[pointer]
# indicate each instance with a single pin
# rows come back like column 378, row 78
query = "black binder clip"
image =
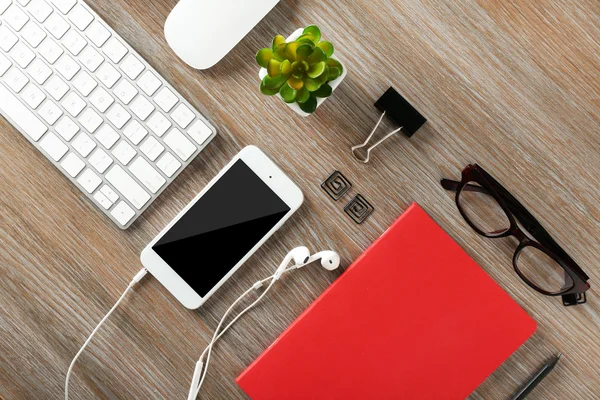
column 400, row 111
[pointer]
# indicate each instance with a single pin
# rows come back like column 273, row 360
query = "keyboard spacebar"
column 125, row 184
column 12, row 108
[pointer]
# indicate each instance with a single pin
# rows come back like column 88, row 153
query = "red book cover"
column 414, row 317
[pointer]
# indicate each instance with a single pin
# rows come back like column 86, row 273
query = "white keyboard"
column 93, row 106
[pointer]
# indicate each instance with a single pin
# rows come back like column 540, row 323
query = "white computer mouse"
column 202, row 32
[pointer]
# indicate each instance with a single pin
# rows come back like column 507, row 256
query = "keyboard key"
column 89, row 180
column 142, row 108
column 22, row 55
column 84, row 83
column 12, row 107
column 183, row 116
column 100, row 160
column 179, row 144
column 33, row 34
column 90, row 120
column 135, row 132
column 23, row 2
column 114, row 50
column 64, row 6
column 16, row 79
column 199, row 132
column 90, row 58
column 66, row 128
column 73, row 104
column 146, row 174
column 33, row 96
column 39, row 71
column 56, row 87
column 50, row 50
column 149, row 83
column 7, row 38
column 81, row 17
column 67, row 67
column 4, row 4
column 83, row 144
column 124, row 152
column 52, row 145
column 108, row 75
column 132, row 66
column 103, row 200
column 39, row 9
column 101, row 99
column 118, row 116
column 122, row 213
column 15, row 17
column 159, row 124
column 109, row 193
column 50, row 112
column 57, row 26
column 97, row 33
column 74, row 42
column 107, row 136
column 166, row 99
column 4, row 64
column 125, row 91
column 72, row 164
column 152, row 148
column 168, row 164
column 127, row 186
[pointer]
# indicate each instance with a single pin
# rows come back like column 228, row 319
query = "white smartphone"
column 222, row 227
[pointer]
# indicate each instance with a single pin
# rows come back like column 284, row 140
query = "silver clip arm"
column 360, row 146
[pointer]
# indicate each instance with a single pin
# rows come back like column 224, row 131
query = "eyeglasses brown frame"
column 537, row 236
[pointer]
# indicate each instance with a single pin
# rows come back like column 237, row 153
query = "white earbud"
column 330, row 260
column 300, row 255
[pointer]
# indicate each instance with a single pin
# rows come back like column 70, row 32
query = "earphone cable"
column 138, row 277
column 231, row 323
column 216, row 336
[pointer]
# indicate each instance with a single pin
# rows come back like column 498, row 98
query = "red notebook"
column 414, row 317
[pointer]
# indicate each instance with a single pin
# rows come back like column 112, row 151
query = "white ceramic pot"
column 334, row 84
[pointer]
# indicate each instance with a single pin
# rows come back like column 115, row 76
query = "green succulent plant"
column 300, row 71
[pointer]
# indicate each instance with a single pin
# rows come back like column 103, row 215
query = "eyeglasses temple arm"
column 451, row 185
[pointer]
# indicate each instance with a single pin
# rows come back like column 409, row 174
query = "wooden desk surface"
column 512, row 85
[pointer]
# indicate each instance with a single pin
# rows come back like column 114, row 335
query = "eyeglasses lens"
column 483, row 211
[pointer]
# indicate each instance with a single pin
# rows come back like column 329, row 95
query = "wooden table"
column 512, row 85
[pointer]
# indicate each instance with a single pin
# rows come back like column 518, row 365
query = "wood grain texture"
column 512, row 85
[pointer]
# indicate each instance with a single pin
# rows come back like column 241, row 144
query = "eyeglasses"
column 494, row 213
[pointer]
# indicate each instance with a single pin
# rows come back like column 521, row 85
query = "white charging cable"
column 138, row 277
column 330, row 260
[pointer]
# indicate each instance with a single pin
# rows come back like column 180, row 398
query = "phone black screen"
column 221, row 228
